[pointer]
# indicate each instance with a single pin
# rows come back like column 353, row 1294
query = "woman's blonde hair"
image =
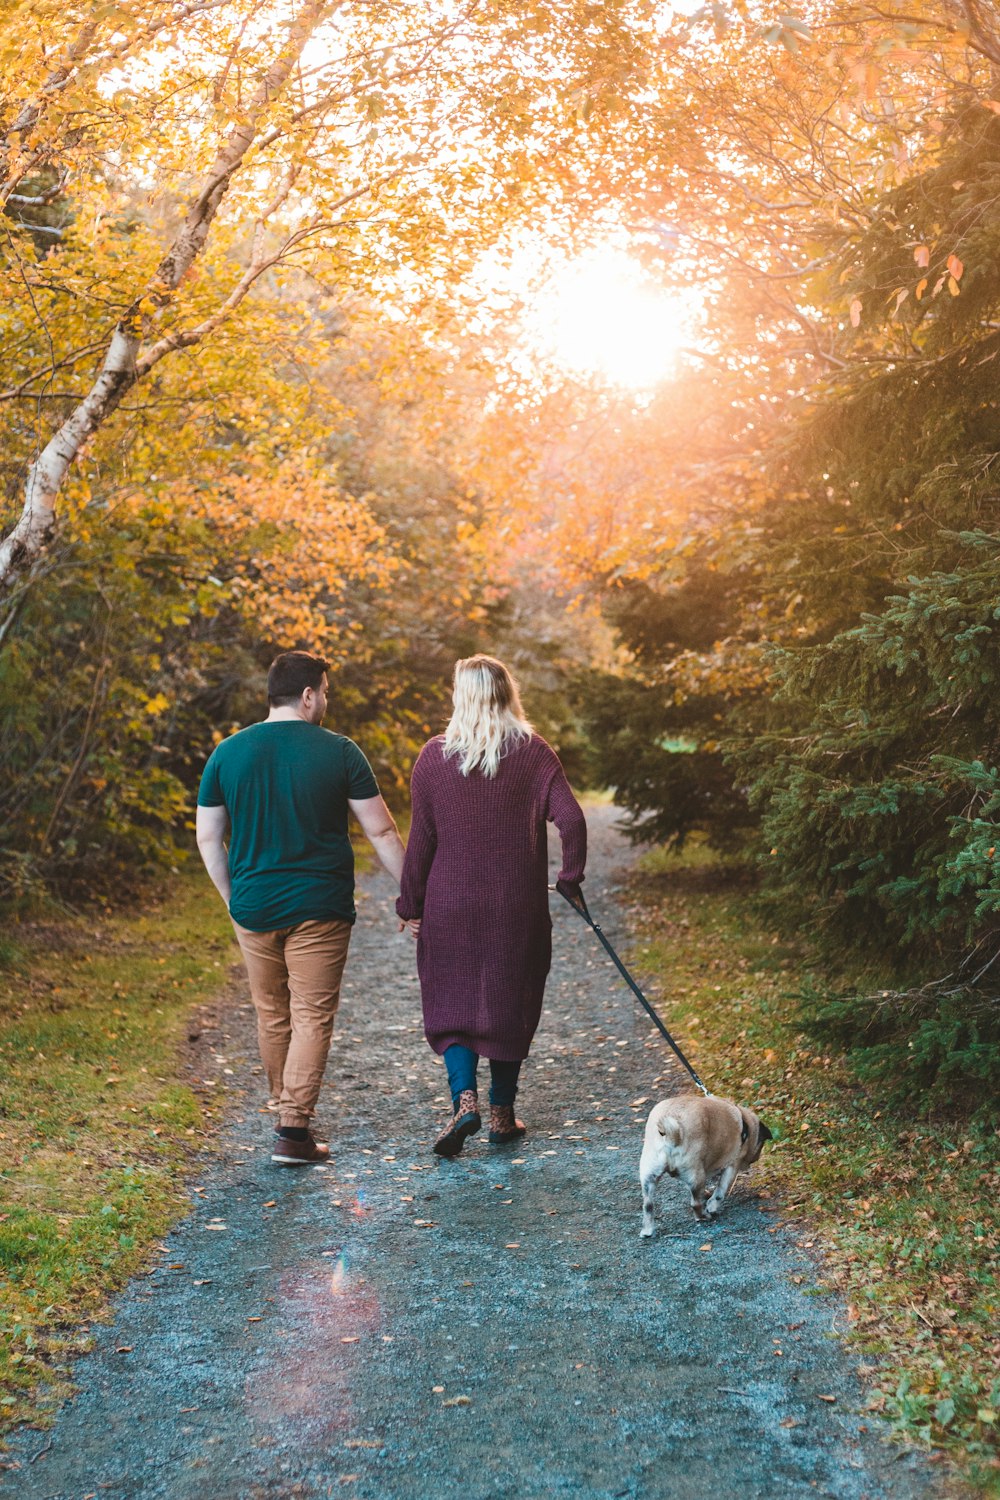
column 488, row 718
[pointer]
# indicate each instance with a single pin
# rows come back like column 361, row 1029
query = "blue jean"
column 462, row 1064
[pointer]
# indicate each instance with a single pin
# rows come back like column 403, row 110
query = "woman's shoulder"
column 432, row 753
column 534, row 755
column 542, row 750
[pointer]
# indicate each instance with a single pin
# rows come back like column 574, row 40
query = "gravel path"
column 394, row 1327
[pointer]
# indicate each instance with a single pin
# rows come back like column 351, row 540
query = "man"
column 279, row 792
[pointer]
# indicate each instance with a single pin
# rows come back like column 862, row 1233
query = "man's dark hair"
column 290, row 674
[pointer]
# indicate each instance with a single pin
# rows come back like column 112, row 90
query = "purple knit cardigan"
column 476, row 874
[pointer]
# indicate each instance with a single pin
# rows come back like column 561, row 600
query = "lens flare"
column 603, row 316
column 338, row 1276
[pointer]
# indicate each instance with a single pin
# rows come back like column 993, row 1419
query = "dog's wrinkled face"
column 757, row 1136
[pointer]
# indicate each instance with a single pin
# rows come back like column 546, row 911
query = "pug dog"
column 706, row 1142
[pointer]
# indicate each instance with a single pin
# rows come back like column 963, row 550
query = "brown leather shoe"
column 504, row 1128
column 467, row 1120
column 305, row 1153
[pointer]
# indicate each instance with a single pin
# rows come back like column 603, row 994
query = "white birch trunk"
column 19, row 549
column 123, row 364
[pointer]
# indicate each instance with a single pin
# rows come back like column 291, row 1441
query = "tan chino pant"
column 295, row 976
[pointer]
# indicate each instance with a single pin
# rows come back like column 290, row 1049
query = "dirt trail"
column 394, row 1327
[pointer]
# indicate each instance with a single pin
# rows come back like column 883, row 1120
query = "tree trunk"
column 122, row 367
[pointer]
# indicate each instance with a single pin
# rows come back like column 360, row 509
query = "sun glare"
column 603, row 316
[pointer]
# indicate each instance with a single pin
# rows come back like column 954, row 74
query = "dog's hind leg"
column 648, row 1184
column 697, row 1186
column 721, row 1192
column 651, row 1169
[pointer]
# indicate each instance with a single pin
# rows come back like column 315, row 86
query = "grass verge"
column 905, row 1209
column 96, row 1121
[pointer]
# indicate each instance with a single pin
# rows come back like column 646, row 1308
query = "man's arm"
column 379, row 828
column 211, row 827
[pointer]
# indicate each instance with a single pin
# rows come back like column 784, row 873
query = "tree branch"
column 122, row 366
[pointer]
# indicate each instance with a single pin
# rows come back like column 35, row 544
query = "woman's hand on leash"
column 570, row 889
column 412, row 927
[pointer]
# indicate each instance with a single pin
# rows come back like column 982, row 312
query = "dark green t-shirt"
column 285, row 786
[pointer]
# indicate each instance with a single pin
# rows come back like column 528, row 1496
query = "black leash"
column 584, row 912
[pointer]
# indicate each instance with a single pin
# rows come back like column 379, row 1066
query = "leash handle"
column 582, row 908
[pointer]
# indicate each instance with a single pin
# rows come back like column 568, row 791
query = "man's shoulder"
column 233, row 743
column 343, row 742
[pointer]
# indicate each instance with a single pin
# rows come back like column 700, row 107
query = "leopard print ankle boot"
column 504, row 1128
column 465, row 1122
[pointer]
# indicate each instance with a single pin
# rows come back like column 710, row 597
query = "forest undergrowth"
column 900, row 1207
column 98, row 1119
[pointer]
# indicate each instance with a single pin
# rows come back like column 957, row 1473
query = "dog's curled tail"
column 670, row 1129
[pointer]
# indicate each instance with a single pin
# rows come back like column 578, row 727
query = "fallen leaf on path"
column 705, row 1247
column 437, row 1389
column 206, row 1282
column 788, row 1422
column 220, row 1227
column 363, row 1443
column 519, row 1161
column 349, row 1478
column 255, row 1319
column 123, row 1349
column 353, row 1338
column 825, row 1398
column 425, row 1223
column 271, row 1203
column 178, row 1265
column 458, row 1401
column 514, row 1246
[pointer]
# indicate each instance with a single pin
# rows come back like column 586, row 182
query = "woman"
column 474, row 890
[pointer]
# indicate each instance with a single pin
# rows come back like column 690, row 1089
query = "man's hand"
column 379, row 828
column 211, row 828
